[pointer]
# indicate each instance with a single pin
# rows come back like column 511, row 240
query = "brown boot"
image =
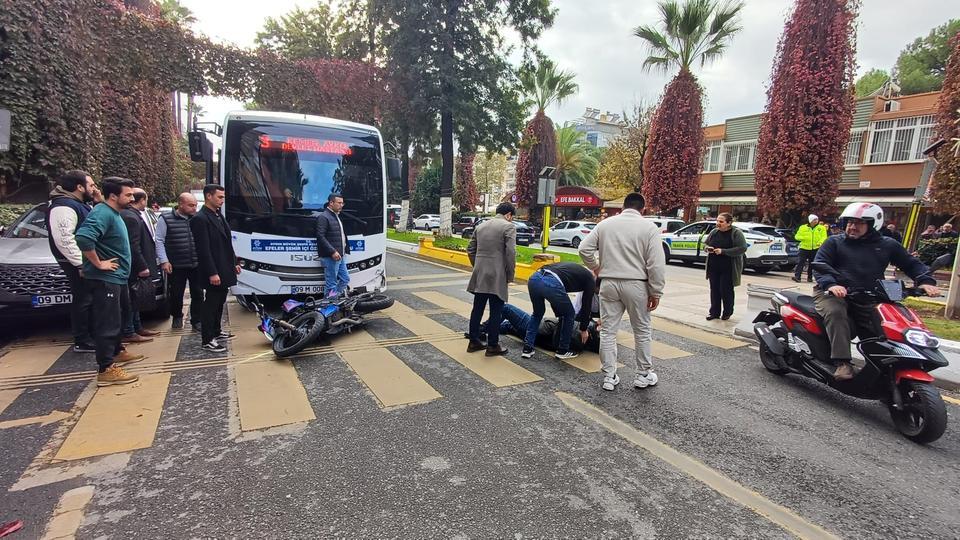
column 844, row 372
column 147, row 333
column 115, row 375
column 126, row 358
column 136, row 338
column 496, row 350
column 475, row 346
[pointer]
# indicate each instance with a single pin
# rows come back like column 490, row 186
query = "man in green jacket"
column 103, row 240
column 811, row 236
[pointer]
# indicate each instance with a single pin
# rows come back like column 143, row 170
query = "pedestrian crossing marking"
column 270, row 394
column 388, row 378
column 118, row 419
column 160, row 351
column 496, row 370
column 23, row 362
column 696, row 334
column 7, row 397
column 427, row 277
column 658, row 349
column 240, row 318
column 447, row 283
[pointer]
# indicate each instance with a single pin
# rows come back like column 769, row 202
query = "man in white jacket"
column 68, row 207
column 625, row 252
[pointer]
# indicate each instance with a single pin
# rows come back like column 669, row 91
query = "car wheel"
column 666, row 253
column 575, row 242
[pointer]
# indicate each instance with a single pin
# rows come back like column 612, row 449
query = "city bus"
column 277, row 170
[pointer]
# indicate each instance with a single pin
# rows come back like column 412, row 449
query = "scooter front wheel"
column 923, row 418
column 307, row 327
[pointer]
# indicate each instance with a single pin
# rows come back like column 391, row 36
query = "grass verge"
column 524, row 254
column 932, row 315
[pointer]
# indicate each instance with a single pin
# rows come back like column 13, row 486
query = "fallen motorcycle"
column 301, row 322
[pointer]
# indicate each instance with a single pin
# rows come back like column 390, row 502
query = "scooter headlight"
column 921, row 338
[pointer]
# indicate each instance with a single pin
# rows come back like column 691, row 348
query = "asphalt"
column 487, row 462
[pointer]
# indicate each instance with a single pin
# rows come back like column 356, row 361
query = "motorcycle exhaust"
column 346, row 321
column 766, row 336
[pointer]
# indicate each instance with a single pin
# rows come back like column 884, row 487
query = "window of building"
column 854, row 148
column 711, row 156
column 739, row 157
column 902, row 139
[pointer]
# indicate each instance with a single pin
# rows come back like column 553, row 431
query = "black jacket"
column 577, row 278
column 211, row 234
column 329, row 237
column 143, row 249
column 863, row 261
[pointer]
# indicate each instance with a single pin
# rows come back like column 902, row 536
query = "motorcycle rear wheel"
column 769, row 360
column 923, row 418
column 290, row 342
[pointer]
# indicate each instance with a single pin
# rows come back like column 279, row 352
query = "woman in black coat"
column 725, row 246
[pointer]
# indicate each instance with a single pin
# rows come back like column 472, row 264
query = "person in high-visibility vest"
column 811, row 236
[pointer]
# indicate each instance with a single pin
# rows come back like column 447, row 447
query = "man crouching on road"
column 625, row 252
column 105, row 245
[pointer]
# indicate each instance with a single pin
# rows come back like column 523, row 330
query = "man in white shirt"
column 625, row 252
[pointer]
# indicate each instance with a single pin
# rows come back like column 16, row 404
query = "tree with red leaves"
column 806, row 128
column 465, row 195
column 945, row 190
column 697, row 31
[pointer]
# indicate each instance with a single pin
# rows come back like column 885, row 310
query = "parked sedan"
column 525, row 234
column 463, row 223
column 31, row 281
column 427, row 221
column 570, row 233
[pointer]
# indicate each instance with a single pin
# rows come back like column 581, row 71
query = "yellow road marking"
column 779, row 515
column 54, row 416
column 424, row 261
column 497, row 370
column 657, row 348
column 696, row 334
column 29, row 361
column 951, row 400
column 422, row 277
column 68, row 515
column 270, row 394
column 388, row 378
column 7, row 397
column 118, row 419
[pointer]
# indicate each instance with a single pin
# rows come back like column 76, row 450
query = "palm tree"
column 577, row 160
column 173, row 11
column 696, row 31
column 542, row 86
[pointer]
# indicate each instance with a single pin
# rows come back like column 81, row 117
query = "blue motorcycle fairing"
column 291, row 305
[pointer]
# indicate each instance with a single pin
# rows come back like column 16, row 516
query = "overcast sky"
column 594, row 39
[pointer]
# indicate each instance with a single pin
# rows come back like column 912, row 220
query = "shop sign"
column 577, row 200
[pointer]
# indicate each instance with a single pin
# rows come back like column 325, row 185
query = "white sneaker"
column 644, row 380
column 609, row 383
column 566, row 356
column 213, row 346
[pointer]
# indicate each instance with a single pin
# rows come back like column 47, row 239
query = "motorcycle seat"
column 802, row 302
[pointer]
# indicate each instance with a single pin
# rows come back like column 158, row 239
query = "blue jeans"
column 543, row 288
column 335, row 275
column 131, row 320
column 515, row 321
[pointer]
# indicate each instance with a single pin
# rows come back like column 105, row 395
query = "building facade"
column 883, row 163
column 600, row 128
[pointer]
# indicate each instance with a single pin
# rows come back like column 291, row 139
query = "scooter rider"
column 860, row 256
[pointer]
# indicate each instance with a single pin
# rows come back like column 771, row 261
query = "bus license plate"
column 48, row 300
column 306, row 289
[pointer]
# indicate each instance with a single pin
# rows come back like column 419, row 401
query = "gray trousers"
column 843, row 318
column 616, row 297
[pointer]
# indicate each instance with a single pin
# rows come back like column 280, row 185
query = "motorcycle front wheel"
column 374, row 302
column 923, row 418
column 290, row 342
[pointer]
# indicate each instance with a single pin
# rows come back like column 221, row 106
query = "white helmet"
column 868, row 212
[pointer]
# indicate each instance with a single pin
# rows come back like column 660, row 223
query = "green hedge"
column 929, row 250
column 10, row 212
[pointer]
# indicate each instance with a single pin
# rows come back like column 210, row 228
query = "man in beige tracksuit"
column 625, row 252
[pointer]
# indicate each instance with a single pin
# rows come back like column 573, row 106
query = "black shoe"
column 213, row 346
column 195, row 326
column 796, row 279
column 497, row 350
column 475, row 346
column 527, row 352
column 225, row 336
column 726, row 317
column 84, row 348
column 712, row 317
column 809, row 280
column 177, row 323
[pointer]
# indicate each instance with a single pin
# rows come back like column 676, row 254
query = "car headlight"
column 921, row 338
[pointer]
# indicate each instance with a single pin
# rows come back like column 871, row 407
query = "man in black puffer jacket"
column 861, row 257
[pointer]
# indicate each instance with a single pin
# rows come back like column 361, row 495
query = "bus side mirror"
column 201, row 149
column 394, row 169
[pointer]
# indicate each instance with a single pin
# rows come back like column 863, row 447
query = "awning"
column 842, row 200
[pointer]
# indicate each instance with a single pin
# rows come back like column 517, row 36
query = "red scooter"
column 897, row 347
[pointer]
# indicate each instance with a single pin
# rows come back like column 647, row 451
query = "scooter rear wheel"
column 770, row 361
column 923, row 418
column 290, row 342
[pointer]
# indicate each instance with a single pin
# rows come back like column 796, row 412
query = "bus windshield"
column 278, row 176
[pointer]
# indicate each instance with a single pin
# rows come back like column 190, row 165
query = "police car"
column 764, row 251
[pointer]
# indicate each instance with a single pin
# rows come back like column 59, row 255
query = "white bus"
column 277, row 170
